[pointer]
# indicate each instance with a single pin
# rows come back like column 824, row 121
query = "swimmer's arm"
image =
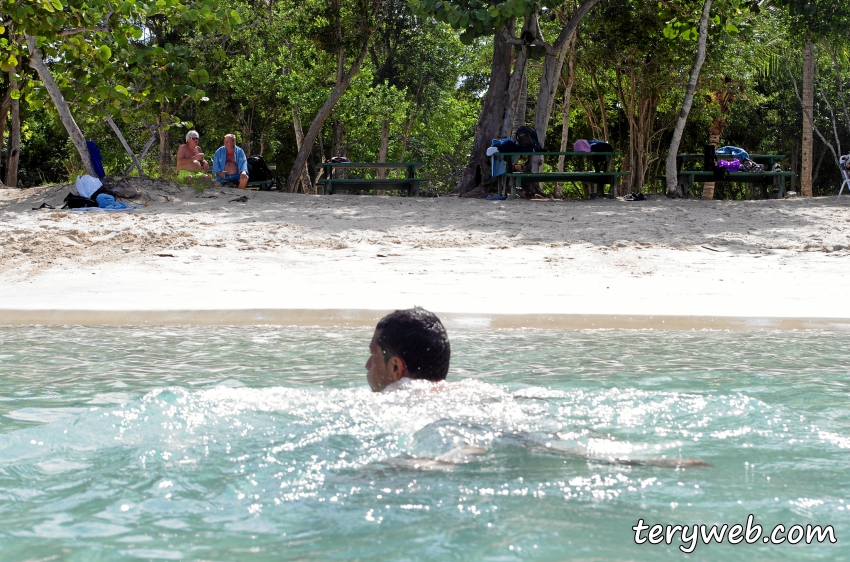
column 662, row 462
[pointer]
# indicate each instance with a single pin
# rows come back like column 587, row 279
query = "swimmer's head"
column 408, row 343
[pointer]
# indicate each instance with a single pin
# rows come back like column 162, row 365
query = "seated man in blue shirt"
column 230, row 163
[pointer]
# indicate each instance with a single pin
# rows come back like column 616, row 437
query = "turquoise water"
column 264, row 443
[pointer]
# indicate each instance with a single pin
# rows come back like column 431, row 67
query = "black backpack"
column 599, row 162
column 526, row 138
column 77, row 202
column 257, row 169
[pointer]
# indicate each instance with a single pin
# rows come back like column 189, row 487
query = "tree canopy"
column 299, row 82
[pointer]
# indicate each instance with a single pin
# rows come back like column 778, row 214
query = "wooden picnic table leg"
column 517, row 183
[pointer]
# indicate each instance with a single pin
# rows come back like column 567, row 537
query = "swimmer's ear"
column 397, row 368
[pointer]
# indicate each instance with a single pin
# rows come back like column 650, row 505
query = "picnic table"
column 597, row 179
column 766, row 179
column 409, row 183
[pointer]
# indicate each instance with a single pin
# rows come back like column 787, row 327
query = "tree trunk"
column 306, row 184
column 247, row 131
column 553, row 64
column 4, row 112
column 124, row 143
column 382, row 151
column 14, row 151
column 518, row 85
column 342, row 83
column 565, row 114
column 490, row 121
column 808, row 114
column 672, row 173
column 640, row 106
column 552, row 67
column 339, row 138
column 603, row 115
column 164, row 144
column 77, row 137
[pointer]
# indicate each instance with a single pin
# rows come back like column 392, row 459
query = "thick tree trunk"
column 518, row 85
column 14, row 152
column 306, row 184
column 77, row 137
column 124, row 143
column 671, row 171
column 808, row 114
column 489, row 122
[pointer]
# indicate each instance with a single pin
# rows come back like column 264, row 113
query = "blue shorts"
column 228, row 178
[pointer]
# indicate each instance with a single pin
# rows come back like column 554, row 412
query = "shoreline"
column 368, row 318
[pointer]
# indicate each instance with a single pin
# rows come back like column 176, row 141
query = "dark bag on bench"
column 599, row 162
column 257, row 169
column 526, row 138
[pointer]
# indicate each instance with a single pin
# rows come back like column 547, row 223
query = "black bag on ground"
column 257, row 169
column 599, row 162
column 526, row 138
column 77, row 202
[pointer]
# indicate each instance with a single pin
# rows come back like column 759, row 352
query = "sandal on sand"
column 43, row 206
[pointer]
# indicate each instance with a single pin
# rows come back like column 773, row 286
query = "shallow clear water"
column 264, row 443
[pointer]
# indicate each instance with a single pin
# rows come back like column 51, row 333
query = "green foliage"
column 244, row 66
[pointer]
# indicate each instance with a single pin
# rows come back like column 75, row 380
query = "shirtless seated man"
column 190, row 158
column 230, row 163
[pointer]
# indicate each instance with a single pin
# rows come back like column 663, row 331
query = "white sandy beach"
column 204, row 258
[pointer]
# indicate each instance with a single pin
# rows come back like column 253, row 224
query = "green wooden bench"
column 598, row 180
column 766, row 180
column 409, row 183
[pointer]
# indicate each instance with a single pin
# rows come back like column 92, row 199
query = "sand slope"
column 191, row 251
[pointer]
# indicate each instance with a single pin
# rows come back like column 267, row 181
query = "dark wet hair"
column 419, row 338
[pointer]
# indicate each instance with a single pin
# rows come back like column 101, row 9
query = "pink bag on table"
column 581, row 145
column 730, row 165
